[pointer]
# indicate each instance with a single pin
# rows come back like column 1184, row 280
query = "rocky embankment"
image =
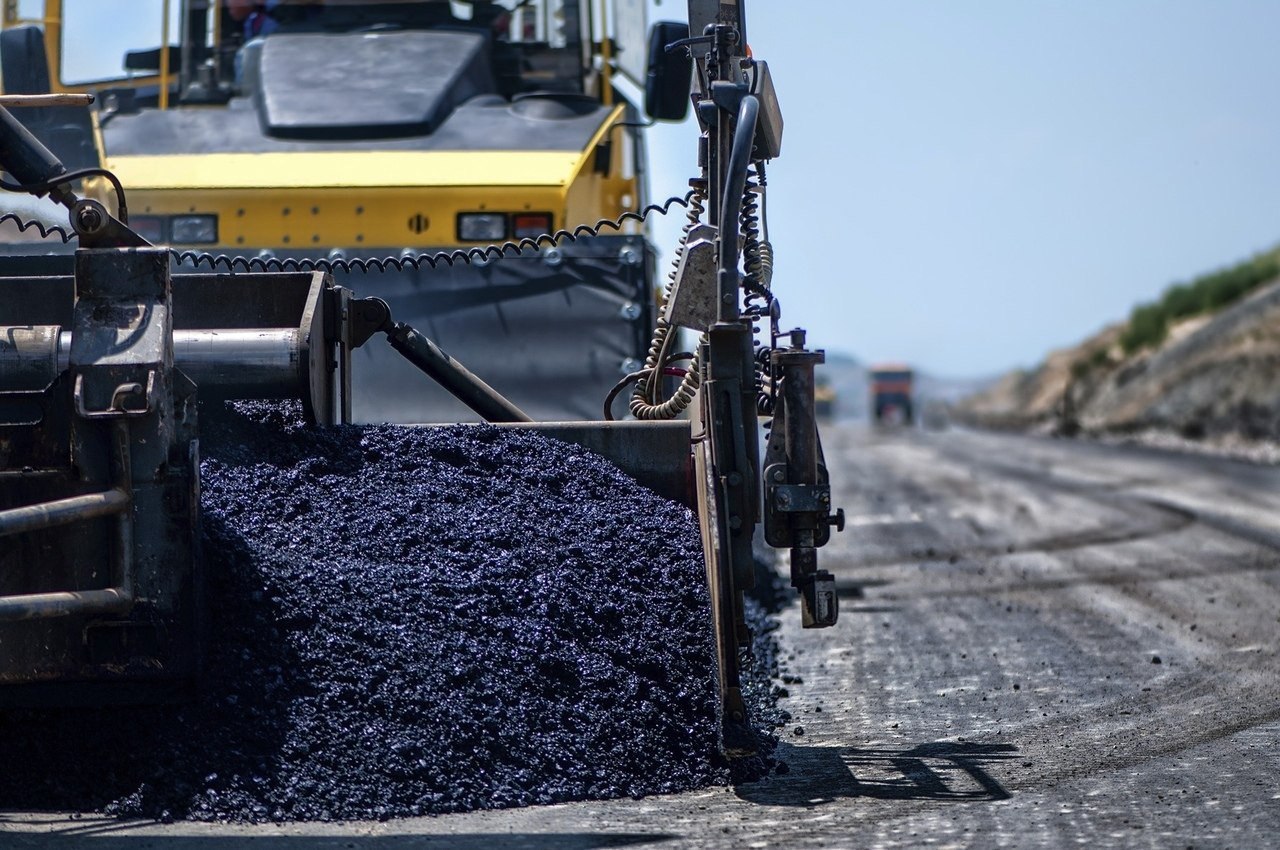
column 1213, row 376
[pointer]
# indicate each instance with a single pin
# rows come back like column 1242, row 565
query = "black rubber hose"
column 731, row 200
column 51, row 185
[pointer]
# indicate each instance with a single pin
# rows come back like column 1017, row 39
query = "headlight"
column 482, row 227
column 193, row 229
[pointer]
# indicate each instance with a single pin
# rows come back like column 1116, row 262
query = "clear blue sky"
column 966, row 185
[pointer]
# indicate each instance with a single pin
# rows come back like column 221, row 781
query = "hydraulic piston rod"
column 453, row 376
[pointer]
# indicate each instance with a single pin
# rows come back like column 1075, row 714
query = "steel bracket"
column 800, row 498
column 119, row 399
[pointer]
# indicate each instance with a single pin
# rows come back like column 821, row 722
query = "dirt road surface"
column 1041, row 644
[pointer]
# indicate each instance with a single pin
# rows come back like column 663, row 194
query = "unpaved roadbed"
column 991, row 681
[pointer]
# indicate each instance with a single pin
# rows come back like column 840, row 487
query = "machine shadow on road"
column 851, row 593
column 152, row 840
column 943, row 770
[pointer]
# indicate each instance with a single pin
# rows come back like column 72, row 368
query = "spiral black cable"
column 759, row 302
column 757, row 253
column 766, row 386
column 644, row 399
column 755, row 295
column 464, row 256
column 752, row 262
column 45, row 230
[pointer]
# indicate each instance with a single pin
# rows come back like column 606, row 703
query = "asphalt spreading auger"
column 101, row 372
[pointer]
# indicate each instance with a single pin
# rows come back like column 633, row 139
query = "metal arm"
column 742, row 123
column 30, row 161
column 368, row 316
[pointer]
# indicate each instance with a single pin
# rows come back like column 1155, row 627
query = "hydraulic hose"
column 731, row 204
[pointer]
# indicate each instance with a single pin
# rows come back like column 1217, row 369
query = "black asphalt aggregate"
column 413, row 621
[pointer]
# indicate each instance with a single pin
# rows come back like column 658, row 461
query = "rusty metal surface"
column 122, row 497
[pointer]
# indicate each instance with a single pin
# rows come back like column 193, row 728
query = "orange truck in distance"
column 891, row 394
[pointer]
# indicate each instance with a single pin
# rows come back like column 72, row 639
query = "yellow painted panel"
column 341, row 169
column 388, row 218
column 371, row 199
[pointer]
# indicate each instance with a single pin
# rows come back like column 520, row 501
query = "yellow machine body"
column 191, row 131
column 364, row 200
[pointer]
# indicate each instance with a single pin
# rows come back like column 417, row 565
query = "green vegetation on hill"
column 1097, row 358
column 1208, row 293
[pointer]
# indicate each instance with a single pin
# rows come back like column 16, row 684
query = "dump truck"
column 891, row 394
column 403, row 134
column 108, row 355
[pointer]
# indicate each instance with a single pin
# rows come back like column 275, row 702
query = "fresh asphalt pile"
column 412, row 621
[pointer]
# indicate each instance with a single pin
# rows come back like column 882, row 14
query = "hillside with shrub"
column 1202, row 360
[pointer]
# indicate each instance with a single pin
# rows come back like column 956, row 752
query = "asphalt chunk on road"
column 410, row 621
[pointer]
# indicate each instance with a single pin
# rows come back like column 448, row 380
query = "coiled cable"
column 766, row 388
column 757, row 252
column 45, row 230
column 465, row 256
column 645, row 403
column 759, row 302
column 668, row 371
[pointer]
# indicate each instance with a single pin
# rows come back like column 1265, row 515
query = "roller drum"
column 32, row 357
column 255, row 363
column 226, row 363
